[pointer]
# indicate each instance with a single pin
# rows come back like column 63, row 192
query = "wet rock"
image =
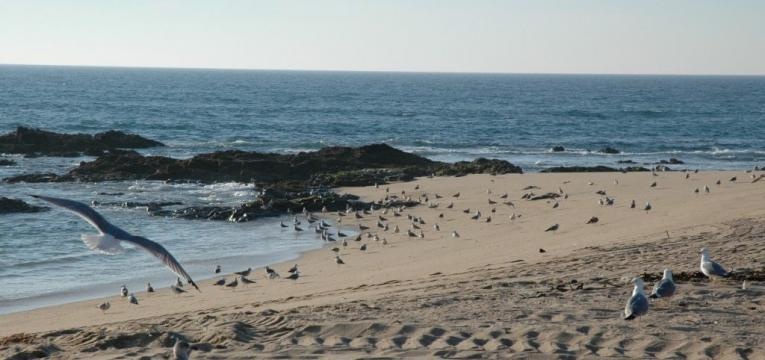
column 671, row 161
column 477, row 166
column 626, row 162
column 328, row 167
column 8, row 205
column 609, row 150
column 7, row 162
column 37, row 142
column 558, row 148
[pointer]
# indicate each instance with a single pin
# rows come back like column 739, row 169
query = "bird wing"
column 163, row 255
column 637, row 305
column 664, row 288
column 88, row 214
column 714, row 268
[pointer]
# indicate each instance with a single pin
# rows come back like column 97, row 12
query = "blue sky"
column 574, row 36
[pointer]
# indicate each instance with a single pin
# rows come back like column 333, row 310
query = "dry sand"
column 489, row 293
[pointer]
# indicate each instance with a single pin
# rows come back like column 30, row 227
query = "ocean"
column 709, row 122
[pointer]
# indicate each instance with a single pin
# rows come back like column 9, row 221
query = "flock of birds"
column 109, row 239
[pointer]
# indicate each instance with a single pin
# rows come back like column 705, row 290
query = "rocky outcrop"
column 576, row 169
column 671, row 161
column 7, row 162
column 609, row 150
column 558, row 148
column 36, row 142
column 8, row 205
column 328, row 167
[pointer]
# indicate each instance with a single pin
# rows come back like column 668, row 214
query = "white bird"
column 436, row 227
column 665, row 288
column 133, row 300
column 637, row 305
column 124, row 291
column 710, row 268
column 455, row 234
column 109, row 238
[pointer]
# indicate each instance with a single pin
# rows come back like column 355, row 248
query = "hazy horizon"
column 513, row 37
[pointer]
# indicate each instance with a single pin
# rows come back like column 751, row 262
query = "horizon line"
column 404, row 71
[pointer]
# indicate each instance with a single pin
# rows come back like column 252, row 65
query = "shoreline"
column 405, row 264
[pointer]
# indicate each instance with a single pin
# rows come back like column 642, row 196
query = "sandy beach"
column 489, row 293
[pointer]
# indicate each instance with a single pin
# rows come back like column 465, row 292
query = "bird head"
column 704, row 253
column 668, row 274
column 638, row 284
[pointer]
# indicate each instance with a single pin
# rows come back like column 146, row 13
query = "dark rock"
column 7, row 162
column 671, row 161
column 573, row 169
column 609, row 150
column 37, row 178
column 478, row 166
column 36, row 142
column 8, row 205
column 558, row 148
column 328, row 167
column 626, row 162
column 152, row 205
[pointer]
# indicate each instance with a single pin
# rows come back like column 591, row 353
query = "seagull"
column 109, row 238
column 706, row 189
column 553, row 228
column 476, row 215
column 271, row 273
column 293, row 276
column 363, row 247
column 104, row 306
column 436, row 227
column 246, row 281
column 281, row 224
column 632, row 204
column 220, row 282
column 637, row 305
column 293, row 269
column 647, row 206
column 338, row 260
column 133, row 300
column 124, row 291
column 181, row 350
column 555, row 205
column 733, row 179
column 385, row 241
column 245, row 272
column 718, row 182
column 710, row 268
column 217, row 269
column 233, row 284
column 456, row 195
column 653, row 184
column 593, row 220
column 149, row 289
column 297, row 228
column 664, row 288
column 455, row 234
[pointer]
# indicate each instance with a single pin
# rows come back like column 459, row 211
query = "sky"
column 533, row 36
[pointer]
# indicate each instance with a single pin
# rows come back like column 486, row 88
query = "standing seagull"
column 149, row 289
column 124, row 291
column 710, row 268
column 104, row 306
column 637, row 305
column 665, row 288
column 109, row 237
column 133, row 300
column 217, row 269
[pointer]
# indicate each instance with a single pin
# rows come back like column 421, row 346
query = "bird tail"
column 630, row 317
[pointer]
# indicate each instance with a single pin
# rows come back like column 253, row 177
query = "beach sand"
column 489, row 293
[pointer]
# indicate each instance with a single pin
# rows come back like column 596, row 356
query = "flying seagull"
column 637, row 305
column 109, row 237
